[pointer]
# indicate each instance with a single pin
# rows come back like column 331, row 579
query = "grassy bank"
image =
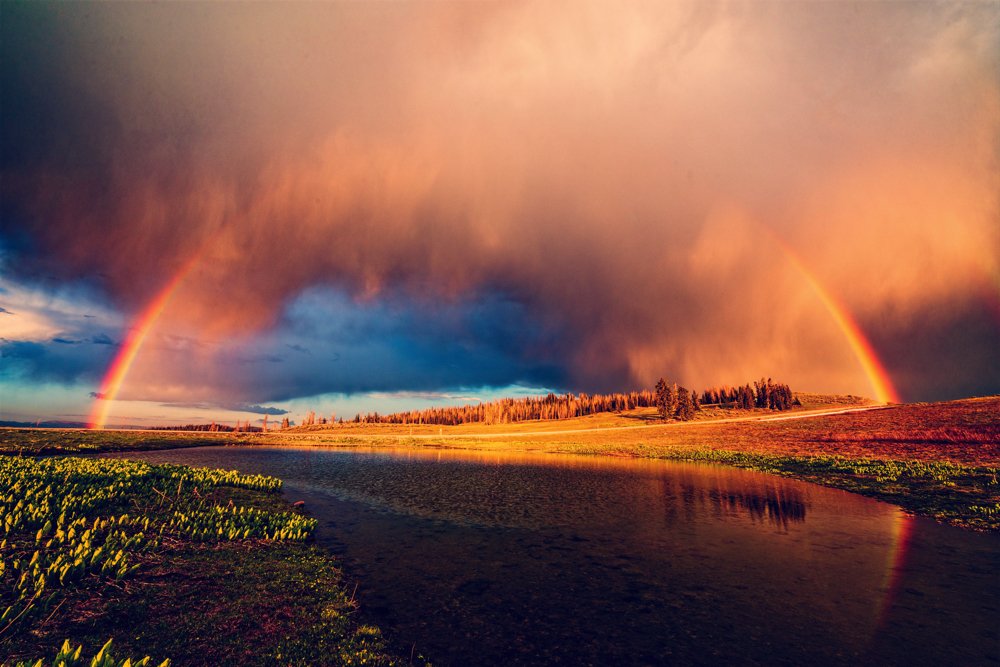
column 961, row 495
column 936, row 459
column 195, row 566
column 26, row 441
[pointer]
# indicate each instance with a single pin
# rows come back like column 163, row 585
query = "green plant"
column 70, row 657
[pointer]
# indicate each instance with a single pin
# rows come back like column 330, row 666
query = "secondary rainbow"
column 115, row 375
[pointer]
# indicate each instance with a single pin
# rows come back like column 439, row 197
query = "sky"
column 376, row 206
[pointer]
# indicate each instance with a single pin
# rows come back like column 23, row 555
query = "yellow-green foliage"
column 66, row 519
column 233, row 523
column 70, row 657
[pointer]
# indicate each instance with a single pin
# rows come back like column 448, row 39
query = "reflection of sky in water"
column 541, row 558
column 534, row 491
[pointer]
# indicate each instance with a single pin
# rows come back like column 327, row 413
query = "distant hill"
column 45, row 424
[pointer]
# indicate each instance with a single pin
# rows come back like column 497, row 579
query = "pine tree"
column 662, row 402
column 760, row 393
column 685, row 408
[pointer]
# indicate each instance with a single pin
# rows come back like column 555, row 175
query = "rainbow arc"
column 878, row 376
column 137, row 334
column 111, row 384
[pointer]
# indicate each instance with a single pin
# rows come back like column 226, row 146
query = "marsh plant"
column 68, row 523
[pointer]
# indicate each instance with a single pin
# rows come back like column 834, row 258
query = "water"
column 485, row 558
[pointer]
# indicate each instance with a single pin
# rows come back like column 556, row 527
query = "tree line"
column 674, row 402
column 670, row 400
column 509, row 410
column 239, row 427
column 762, row 394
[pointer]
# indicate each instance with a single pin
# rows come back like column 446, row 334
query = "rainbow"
column 115, row 375
column 876, row 373
column 902, row 534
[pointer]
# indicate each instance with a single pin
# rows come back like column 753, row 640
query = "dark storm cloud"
column 570, row 195
column 256, row 409
column 951, row 339
column 264, row 358
column 46, row 107
column 52, row 361
column 18, row 349
column 235, row 407
column 383, row 346
column 396, row 345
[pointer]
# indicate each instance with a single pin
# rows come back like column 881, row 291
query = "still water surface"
column 485, row 558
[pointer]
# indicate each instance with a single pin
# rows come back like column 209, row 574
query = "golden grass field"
column 965, row 431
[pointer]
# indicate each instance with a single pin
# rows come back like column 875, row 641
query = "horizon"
column 215, row 213
column 298, row 418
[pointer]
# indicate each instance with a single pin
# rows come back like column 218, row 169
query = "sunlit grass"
column 76, row 532
column 70, row 441
column 66, row 518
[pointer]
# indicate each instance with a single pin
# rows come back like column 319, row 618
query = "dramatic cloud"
column 235, row 407
column 257, row 409
column 55, row 335
column 50, row 362
column 419, row 197
column 377, row 347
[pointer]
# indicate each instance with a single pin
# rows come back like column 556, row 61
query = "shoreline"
column 939, row 460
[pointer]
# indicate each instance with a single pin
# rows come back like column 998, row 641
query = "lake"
column 512, row 558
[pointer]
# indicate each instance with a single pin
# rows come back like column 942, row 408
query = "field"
column 966, row 431
column 628, row 419
column 67, row 441
column 169, row 562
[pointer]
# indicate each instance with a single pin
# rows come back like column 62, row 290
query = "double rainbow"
column 873, row 368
